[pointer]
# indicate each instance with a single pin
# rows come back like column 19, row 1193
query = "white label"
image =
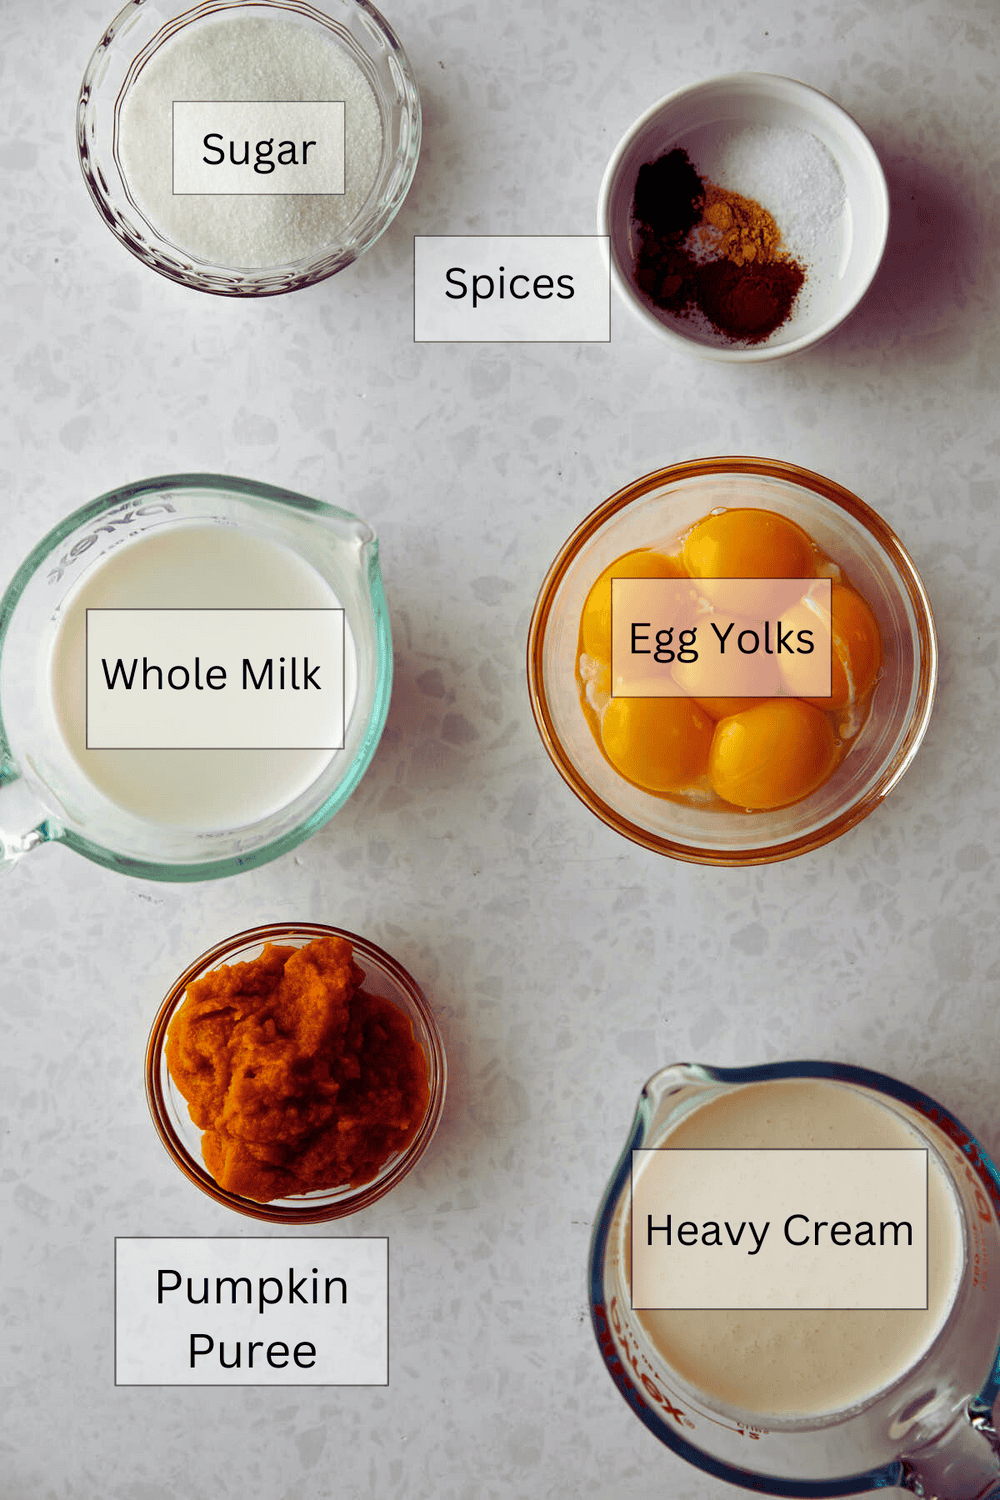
column 669, row 640
column 533, row 289
column 215, row 679
column 257, row 149
column 779, row 1229
column 252, row 1311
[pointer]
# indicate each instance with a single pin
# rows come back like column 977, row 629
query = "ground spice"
column 668, row 203
column 748, row 302
column 743, row 231
column 669, row 195
column 702, row 248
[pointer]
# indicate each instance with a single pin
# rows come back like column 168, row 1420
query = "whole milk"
column 192, row 566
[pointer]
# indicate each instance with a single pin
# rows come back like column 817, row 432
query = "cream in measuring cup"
column 840, row 1380
column 784, row 1363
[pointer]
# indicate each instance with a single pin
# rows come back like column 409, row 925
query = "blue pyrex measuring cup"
column 930, row 1432
column 46, row 794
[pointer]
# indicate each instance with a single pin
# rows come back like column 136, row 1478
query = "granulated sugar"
column 791, row 174
column 250, row 58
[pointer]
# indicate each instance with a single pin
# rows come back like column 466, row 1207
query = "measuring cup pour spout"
column 962, row 1464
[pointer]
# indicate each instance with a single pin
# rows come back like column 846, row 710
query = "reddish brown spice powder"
column 748, row 302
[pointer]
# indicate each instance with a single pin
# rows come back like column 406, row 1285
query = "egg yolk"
column 745, row 543
column 758, row 673
column 756, row 752
column 659, row 744
column 772, row 755
column 595, row 623
column 721, row 708
column 856, row 646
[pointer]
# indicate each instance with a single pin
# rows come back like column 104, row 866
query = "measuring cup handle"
column 962, row 1464
column 13, row 845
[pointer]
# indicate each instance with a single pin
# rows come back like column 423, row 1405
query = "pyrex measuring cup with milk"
column 827, row 1402
column 182, row 542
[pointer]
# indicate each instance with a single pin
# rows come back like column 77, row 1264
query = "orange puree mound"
column 299, row 1079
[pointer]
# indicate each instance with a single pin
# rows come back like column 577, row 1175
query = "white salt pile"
column 255, row 59
column 790, row 173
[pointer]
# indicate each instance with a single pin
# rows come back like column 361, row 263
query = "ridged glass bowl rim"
column 904, row 570
column 251, row 489
column 263, row 281
column 313, row 1210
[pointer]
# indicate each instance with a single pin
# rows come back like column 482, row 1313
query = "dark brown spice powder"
column 669, row 195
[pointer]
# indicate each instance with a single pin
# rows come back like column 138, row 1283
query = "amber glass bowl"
column 182, row 1138
column 651, row 511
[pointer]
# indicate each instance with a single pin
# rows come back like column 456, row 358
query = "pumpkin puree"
column 299, row 1079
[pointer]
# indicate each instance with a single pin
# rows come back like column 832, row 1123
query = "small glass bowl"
column 182, row 1138
column 651, row 511
column 138, row 31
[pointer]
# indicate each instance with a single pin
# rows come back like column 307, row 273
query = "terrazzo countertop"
column 564, row 964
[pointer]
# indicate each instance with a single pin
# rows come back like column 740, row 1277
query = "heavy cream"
column 783, row 1364
column 196, row 566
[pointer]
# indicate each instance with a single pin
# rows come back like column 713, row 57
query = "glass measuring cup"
column 37, row 768
column 930, row 1431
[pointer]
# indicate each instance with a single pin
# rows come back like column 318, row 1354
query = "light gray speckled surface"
column 564, row 964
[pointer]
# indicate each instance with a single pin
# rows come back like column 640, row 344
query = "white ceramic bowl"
column 699, row 118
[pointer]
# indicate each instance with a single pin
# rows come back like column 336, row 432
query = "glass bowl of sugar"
column 248, row 149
